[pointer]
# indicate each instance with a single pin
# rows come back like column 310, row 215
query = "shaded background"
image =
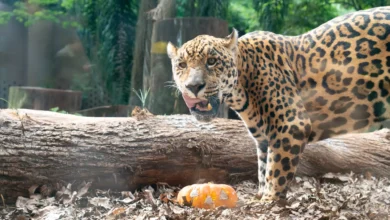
column 112, row 54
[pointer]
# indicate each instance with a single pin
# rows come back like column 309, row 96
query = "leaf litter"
column 331, row 196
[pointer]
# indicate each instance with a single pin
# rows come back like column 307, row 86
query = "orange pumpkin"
column 208, row 196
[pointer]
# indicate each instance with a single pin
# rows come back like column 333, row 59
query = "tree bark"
column 39, row 147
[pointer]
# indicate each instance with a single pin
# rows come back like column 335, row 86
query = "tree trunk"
column 165, row 9
column 39, row 147
column 40, row 53
column 144, row 26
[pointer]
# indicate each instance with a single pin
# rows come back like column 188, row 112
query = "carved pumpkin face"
column 208, row 196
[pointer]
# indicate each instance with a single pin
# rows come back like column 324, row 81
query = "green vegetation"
column 58, row 110
column 203, row 8
column 36, row 10
column 142, row 96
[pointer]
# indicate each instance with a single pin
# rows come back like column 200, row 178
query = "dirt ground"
column 332, row 196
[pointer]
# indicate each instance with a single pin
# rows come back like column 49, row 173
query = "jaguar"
column 291, row 90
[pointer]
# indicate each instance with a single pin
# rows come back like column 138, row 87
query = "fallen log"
column 41, row 147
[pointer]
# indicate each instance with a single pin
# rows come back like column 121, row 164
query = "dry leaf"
column 84, row 189
column 101, row 201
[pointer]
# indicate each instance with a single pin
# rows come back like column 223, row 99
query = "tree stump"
column 40, row 147
column 44, row 99
column 141, row 49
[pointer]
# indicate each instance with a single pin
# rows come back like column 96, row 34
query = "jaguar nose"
column 195, row 88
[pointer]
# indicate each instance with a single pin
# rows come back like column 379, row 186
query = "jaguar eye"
column 182, row 65
column 211, row 61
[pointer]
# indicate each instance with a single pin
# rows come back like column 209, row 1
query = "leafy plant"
column 142, row 95
column 20, row 101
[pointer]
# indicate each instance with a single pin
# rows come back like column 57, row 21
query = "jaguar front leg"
column 286, row 144
column 283, row 158
column 262, row 149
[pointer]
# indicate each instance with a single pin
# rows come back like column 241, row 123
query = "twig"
column 2, row 199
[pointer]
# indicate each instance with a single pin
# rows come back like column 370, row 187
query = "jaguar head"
column 204, row 70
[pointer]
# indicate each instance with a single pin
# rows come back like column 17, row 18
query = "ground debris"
column 332, row 196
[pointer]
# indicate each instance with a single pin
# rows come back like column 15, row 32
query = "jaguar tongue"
column 195, row 102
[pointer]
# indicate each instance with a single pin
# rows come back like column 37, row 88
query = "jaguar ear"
column 171, row 50
column 231, row 39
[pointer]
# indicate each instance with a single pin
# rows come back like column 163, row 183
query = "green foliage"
column 202, row 8
column 5, row 16
column 307, row 15
column 37, row 10
column 108, row 34
column 271, row 13
column 361, row 4
column 293, row 17
column 67, row 4
column 44, row 2
column 242, row 16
